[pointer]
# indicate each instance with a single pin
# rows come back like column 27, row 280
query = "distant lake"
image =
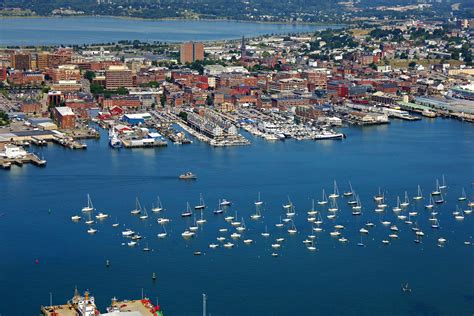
column 86, row 30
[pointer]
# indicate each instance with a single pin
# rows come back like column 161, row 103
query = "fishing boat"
column 144, row 215
column 114, row 140
column 188, row 211
column 138, row 208
column 90, row 206
column 158, row 207
column 437, row 190
column 463, row 196
column 188, row 176
column 324, row 199
column 350, row 192
column 406, row 202
column 201, row 204
column 419, row 195
column 335, row 194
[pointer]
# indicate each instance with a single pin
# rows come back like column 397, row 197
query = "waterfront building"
column 64, row 117
column 191, row 52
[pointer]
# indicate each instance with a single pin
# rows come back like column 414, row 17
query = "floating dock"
column 6, row 163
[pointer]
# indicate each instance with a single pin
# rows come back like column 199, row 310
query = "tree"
column 89, row 75
column 163, row 100
column 412, row 64
column 122, row 91
column 209, row 100
column 96, row 88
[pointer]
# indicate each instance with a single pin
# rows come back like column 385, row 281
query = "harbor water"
column 43, row 251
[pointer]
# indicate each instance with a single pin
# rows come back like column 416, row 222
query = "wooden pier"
column 6, row 163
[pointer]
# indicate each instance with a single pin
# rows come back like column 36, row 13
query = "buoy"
column 107, row 263
column 153, row 276
column 37, row 261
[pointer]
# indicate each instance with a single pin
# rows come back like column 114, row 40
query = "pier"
column 6, row 163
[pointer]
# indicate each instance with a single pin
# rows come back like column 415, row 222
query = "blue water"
column 338, row 279
column 85, row 30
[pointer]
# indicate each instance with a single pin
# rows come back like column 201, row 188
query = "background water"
column 81, row 30
column 337, row 279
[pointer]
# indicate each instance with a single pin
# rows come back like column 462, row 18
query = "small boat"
column 276, row 246
column 197, row 253
column 443, row 183
column 218, row 210
column 397, row 208
column 235, row 236
column 201, row 204
column 406, row 288
column 312, row 211
column 463, row 196
column 334, row 207
column 92, row 231
column 128, row 232
column 195, row 226
column 386, row 223
column 419, row 195
column 290, row 209
column 266, row 233
column 220, row 238
column 89, row 221
column 138, row 208
column 90, row 206
column 188, row 211
column 223, row 230
column 406, row 202
column 101, row 216
column 132, row 243
column 162, row 234
column 335, row 233
column 188, row 176
column 213, row 246
column 241, row 228
column 437, row 190
column 370, row 224
column 440, row 200
column 379, row 197
column 162, row 220
column 228, row 245
column 394, row 228
column 158, row 207
column 187, row 234
column 435, row 223
column 280, row 240
column 201, row 221
column 343, row 239
column 280, row 224
column 248, row 241
column 311, row 246
column 350, row 192
column 258, row 202
column 274, row 254
column 146, row 248
column 225, row 203
column 335, row 194
column 338, row 226
column 292, row 230
column 430, row 204
column 385, row 242
column 364, row 231
column 324, row 200
column 116, row 224
column 258, row 213
column 393, row 236
column 75, row 218
column 441, row 240
column 144, row 215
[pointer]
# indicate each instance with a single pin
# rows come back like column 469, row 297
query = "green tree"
column 122, row 91
column 163, row 100
column 89, row 75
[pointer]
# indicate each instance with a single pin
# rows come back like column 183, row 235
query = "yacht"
column 101, row 216
column 75, row 218
column 188, row 211
column 350, row 192
column 187, row 234
column 397, row 208
column 419, row 195
column 89, row 207
column 443, row 184
column 335, row 194
column 324, row 199
column 201, row 204
column 188, row 176
column 158, row 207
column 225, row 203
column 138, row 208
column 266, row 233
column 405, row 203
column 437, row 190
column 463, row 196
column 128, row 233
column 144, row 215
column 91, row 230
column 379, row 197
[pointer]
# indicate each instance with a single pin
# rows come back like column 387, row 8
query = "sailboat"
column 91, row 231
column 324, row 200
column 218, row 210
column 357, row 209
column 379, row 197
column 241, row 228
column 146, row 248
column 435, row 223
column 419, row 195
column 292, row 230
column 463, row 196
column 266, row 233
column 350, row 192
column 406, row 202
column 440, row 200
column 201, row 204
column 312, row 211
column 75, row 218
column 257, row 214
column 162, row 234
column 437, row 190
column 397, row 208
column 158, row 207
column 145, row 214
column 89, row 221
column 430, row 205
column 335, row 194
column 89, row 207
column 201, row 220
column 443, row 183
column 138, row 208
column 225, row 203
column 334, row 206
column 280, row 224
column 311, row 246
column 258, row 202
column 195, row 226
column 188, row 211
column 460, row 215
column 116, row 224
column 290, row 209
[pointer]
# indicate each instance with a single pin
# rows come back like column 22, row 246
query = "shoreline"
column 222, row 19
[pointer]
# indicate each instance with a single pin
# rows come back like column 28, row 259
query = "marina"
column 235, row 174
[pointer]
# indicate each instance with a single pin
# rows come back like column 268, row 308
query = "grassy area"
column 360, row 32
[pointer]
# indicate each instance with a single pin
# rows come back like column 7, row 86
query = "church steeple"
column 243, row 48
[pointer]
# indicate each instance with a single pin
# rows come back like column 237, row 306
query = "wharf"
column 217, row 142
column 140, row 307
column 58, row 310
column 69, row 143
column 6, row 163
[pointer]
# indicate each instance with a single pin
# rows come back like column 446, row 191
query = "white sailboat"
column 292, row 230
column 258, row 202
column 158, row 207
column 397, row 208
column 201, row 204
column 258, row 213
column 463, row 196
column 188, row 211
column 350, row 192
column 138, row 208
column 218, row 210
column 89, row 221
column 406, row 202
column 312, row 212
column 430, row 204
column 144, row 215
column 324, row 199
column 419, row 195
column 379, row 197
column 195, row 226
column 335, row 194
column 279, row 224
column 75, row 218
column 266, row 233
column 101, row 216
column 90, row 206
column 437, row 190
column 162, row 234
column 443, row 184
column 333, row 208
column 201, row 221
column 91, row 231
column 116, row 224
